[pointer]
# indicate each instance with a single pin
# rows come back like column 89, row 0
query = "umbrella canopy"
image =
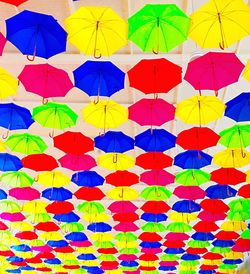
column 122, row 206
column 14, row 2
column 57, row 194
column 189, row 192
column 122, row 178
column 228, row 176
column 2, row 43
column 220, row 192
column 87, row 178
column 122, row 193
column 186, row 206
column 246, row 72
column 116, row 161
column 89, row 193
column 158, row 112
column 225, row 23
column 90, row 27
column 16, row 179
column 153, row 27
column 192, row 177
column 244, row 191
column 40, row 162
column 155, row 193
column 8, row 83
column 214, row 205
column 53, row 179
column 43, row 35
column 99, row 78
column 77, row 162
column 214, row 71
column 59, row 207
column 157, row 177
column 155, row 76
column 154, row 160
column 155, row 207
column 24, row 193
column 9, row 162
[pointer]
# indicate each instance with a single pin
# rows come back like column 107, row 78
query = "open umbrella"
column 9, row 162
column 2, row 43
column 214, row 71
column 89, row 193
column 59, row 207
column 189, row 192
column 87, row 178
column 24, row 193
column 154, row 160
column 57, row 194
column 91, row 207
column 122, row 178
column 116, row 161
column 16, row 179
column 220, row 192
column 228, row 176
column 8, row 83
column 122, row 193
column 45, row 80
column 219, row 24
column 155, row 193
column 122, row 206
column 14, row 2
column 157, row 177
column 179, row 227
column 77, row 162
column 153, row 27
column 155, row 76
column 244, row 191
column 99, row 78
column 42, row 34
column 192, row 177
column 40, row 162
column 155, row 207
column 53, row 179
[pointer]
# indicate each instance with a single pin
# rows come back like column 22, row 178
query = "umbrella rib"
column 229, row 19
column 172, row 25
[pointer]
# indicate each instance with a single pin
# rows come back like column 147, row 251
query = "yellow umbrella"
column 116, row 161
column 96, row 31
column 122, row 193
column 35, row 207
column 182, row 217
column 66, row 256
column 26, row 255
column 8, row 84
column 234, row 255
column 149, row 263
column 85, row 250
column 248, row 176
column 229, row 158
column 220, row 23
column 51, row 236
column 233, row 226
column 132, row 244
column 200, row 109
column 2, row 146
column 53, row 179
column 99, row 217
column 102, row 236
column 114, row 271
column 212, row 262
column 105, row 114
column 246, row 72
column 21, row 226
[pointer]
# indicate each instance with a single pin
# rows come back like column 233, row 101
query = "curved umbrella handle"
column 115, row 158
column 155, row 51
column 33, row 57
column 97, row 56
column 45, row 101
column 5, row 136
column 51, row 134
column 222, row 45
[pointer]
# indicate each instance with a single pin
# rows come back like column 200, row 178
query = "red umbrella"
column 34, row 260
column 47, row 226
column 77, row 162
column 147, row 268
column 19, row 263
column 122, row 178
column 211, row 216
column 127, row 257
column 43, row 269
column 202, row 138
column 155, row 207
column 189, row 192
column 176, row 236
column 148, row 257
column 155, row 76
column 151, row 112
column 111, row 250
column 212, row 256
column 126, row 217
column 241, row 245
column 73, row 142
column 244, row 191
column 24, row 193
column 80, row 243
column 227, row 235
column 40, row 162
column 3, row 226
column 157, row 178
column 208, row 267
column 213, row 205
column 7, row 253
column 197, row 250
column 45, row 255
column 26, row 235
column 228, row 176
column 154, row 160
column 122, row 207
column 65, row 249
column 89, row 194
column 14, row 2
column 150, row 237
column 2, row 43
column 174, row 244
column 205, row 226
column 112, row 264
column 59, row 207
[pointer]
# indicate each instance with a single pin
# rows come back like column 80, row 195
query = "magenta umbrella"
column 77, row 162
column 2, row 43
column 12, row 217
column 45, row 80
column 42, row 248
column 122, row 207
column 25, row 193
column 213, row 71
column 157, row 178
column 210, row 216
column 126, row 227
column 151, row 112
column 189, row 192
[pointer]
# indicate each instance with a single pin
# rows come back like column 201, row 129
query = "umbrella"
column 239, row 205
column 179, row 227
column 154, row 160
column 91, row 208
column 99, row 78
column 105, row 114
column 153, row 27
column 225, row 24
column 2, row 43
column 53, row 179
column 35, row 207
column 8, row 83
column 122, row 178
column 87, row 178
column 47, row 226
column 122, row 206
column 155, row 140
column 220, row 192
column 155, row 207
column 114, row 141
column 214, row 71
column 246, row 72
column 238, row 216
column 214, row 206
column 238, row 108
column 211, row 216
column 200, row 109
column 89, row 193
column 26, row 143
column 204, row 226
column 155, row 193
column 189, row 192
column 231, row 158
column 155, row 76
column 54, row 115
column 122, row 193
column 59, row 207
column 202, row 138
column 16, row 179
column 3, row 195
column 15, row 3
column 57, row 194
column 192, row 177
column 193, row 159
column 67, row 218
column 72, row 227
column 228, row 176
column 182, row 217
column 45, row 80
column 42, row 34
column 90, row 27
column 9, row 162
column 40, row 162
column 116, row 161
column 77, row 162
column 24, row 193
column 244, row 191
column 157, row 177
column 186, row 206
column 158, row 112
column 150, row 217
column 99, row 227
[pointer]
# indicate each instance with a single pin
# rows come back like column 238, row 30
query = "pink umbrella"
column 214, row 70
column 45, row 80
column 210, row 216
column 169, row 263
column 132, row 272
column 151, row 250
column 122, row 207
column 126, row 227
column 42, row 248
column 24, row 193
column 127, row 257
column 157, row 178
column 81, row 243
column 2, row 43
column 12, row 217
column 189, row 192
column 77, row 162
column 177, row 236
column 151, row 112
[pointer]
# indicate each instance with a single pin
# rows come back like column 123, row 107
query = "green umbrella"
column 128, row 268
column 128, row 250
column 105, row 244
column 170, row 257
column 36, row 242
column 26, row 143
column 150, row 272
column 38, row 217
column 198, row 244
column 187, row 272
column 153, row 227
column 126, row 237
column 228, row 266
column 16, row 179
column 245, row 234
column 179, row 227
column 240, row 204
column 91, row 207
column 238, row 215
column 9, row 206
column 78, row 271
column 54, row 115
column 107, row 257
column 220, row 250
column 155, row 193
column 72, row 227
column 189, row 263
column 158, row 27
column 192, row 177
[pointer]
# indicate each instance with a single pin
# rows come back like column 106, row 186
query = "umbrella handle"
column 51, row 134
column 97, row 100
column 155, row 51
column 115, row 158
column 33, row 57
column 5, row 136
column 45, row 101
column 97, row 56
column 222, row 45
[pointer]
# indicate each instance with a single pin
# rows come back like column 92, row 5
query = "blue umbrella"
column 9, row 162
column 223, row 243
column 87, row 178
column 150, row 244
column 60, row 243
column 150, row 217
column 238, row 108
column 202, row 236
column 186, row 206
column 114, row 141
column 129, row 263
column 57, row 194
column 155, row 140
column 93, row 269
column 3, row 194
column 86, row 257
column 27, row 268
column 52, row 261
column 36, row 34
column 172, row 250
column 206, row 271
column 13, row 270
column 99, row 227
column 21, row 248
column 192, row 159
column 67, row 218
column 220, row 192
column 167, row 268
column 15, row 259
column 99, row 78
column 14, row 117
column 76, row 236
column 190, row 257
column 237, row 261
